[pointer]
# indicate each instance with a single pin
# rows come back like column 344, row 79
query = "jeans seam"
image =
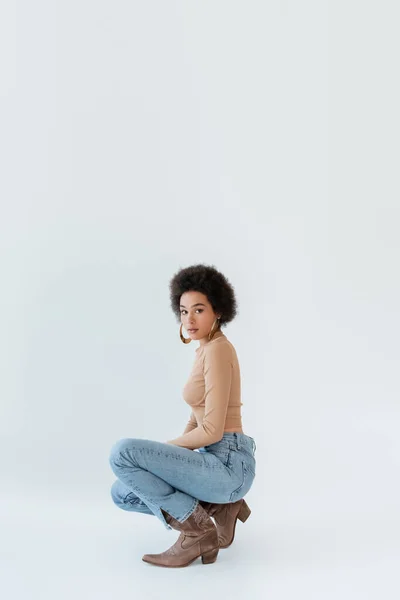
column 190, row 511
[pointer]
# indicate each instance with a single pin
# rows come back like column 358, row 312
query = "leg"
column 169, row 477
column 124, row 498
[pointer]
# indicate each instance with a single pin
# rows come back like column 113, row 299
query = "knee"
column 123, row 453
column 117, row 451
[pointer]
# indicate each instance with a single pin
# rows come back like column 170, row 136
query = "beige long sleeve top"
column 213, row 392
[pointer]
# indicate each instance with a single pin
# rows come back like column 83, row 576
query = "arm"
column 217, row 377
column 191, row 424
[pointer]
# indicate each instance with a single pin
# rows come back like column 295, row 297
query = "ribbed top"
column 213, row 393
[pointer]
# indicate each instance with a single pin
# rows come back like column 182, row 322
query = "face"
column 197, row 313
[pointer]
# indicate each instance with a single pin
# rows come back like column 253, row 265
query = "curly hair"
column 210, row 282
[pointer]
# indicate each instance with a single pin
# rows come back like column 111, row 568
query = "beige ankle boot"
column 198, row 537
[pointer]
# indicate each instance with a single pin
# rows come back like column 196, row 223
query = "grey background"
column 141, row 137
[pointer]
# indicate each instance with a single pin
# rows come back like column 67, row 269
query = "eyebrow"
column 198, row 304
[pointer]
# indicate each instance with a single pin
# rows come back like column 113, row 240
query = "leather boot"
column 225, row 516
column 198, row 537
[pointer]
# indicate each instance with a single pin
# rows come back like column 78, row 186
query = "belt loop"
column 237, row 441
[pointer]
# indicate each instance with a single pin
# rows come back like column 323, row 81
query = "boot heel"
column 210, row 556
column 244, row 512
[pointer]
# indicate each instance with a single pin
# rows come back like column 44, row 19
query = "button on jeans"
column 155, row 475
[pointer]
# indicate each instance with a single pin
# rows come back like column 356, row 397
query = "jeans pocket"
column 223, row 454
column 221, row 450
column 251, row 466
column 246, row 481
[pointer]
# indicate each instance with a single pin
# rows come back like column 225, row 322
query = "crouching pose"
column 207, row 471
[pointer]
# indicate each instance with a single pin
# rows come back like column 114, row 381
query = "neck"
column 217, row 334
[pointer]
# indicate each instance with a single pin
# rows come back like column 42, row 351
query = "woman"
column 207, row 470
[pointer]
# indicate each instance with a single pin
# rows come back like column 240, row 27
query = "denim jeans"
column 155, row 475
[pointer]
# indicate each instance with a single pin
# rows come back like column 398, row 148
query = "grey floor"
column 55, row 544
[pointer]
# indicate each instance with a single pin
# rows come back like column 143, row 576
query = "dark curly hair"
column 210, row 282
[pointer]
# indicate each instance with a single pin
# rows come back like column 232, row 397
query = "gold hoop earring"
column 213, row 330
column 184, row 340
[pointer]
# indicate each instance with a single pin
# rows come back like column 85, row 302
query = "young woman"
column 207, row 470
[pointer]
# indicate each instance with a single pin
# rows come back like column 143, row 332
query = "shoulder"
column 219, row 350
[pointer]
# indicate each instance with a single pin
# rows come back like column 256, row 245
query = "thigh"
column 244, row 466
column 202, row 475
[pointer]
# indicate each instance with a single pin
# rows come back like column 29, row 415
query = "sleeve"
column 191, row 424
column 217, row 368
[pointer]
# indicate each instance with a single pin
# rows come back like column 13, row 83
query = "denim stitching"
column 189, row 512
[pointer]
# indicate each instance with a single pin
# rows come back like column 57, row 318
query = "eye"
column 197, row 309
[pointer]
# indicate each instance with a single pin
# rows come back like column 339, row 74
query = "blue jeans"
column 155, row 475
